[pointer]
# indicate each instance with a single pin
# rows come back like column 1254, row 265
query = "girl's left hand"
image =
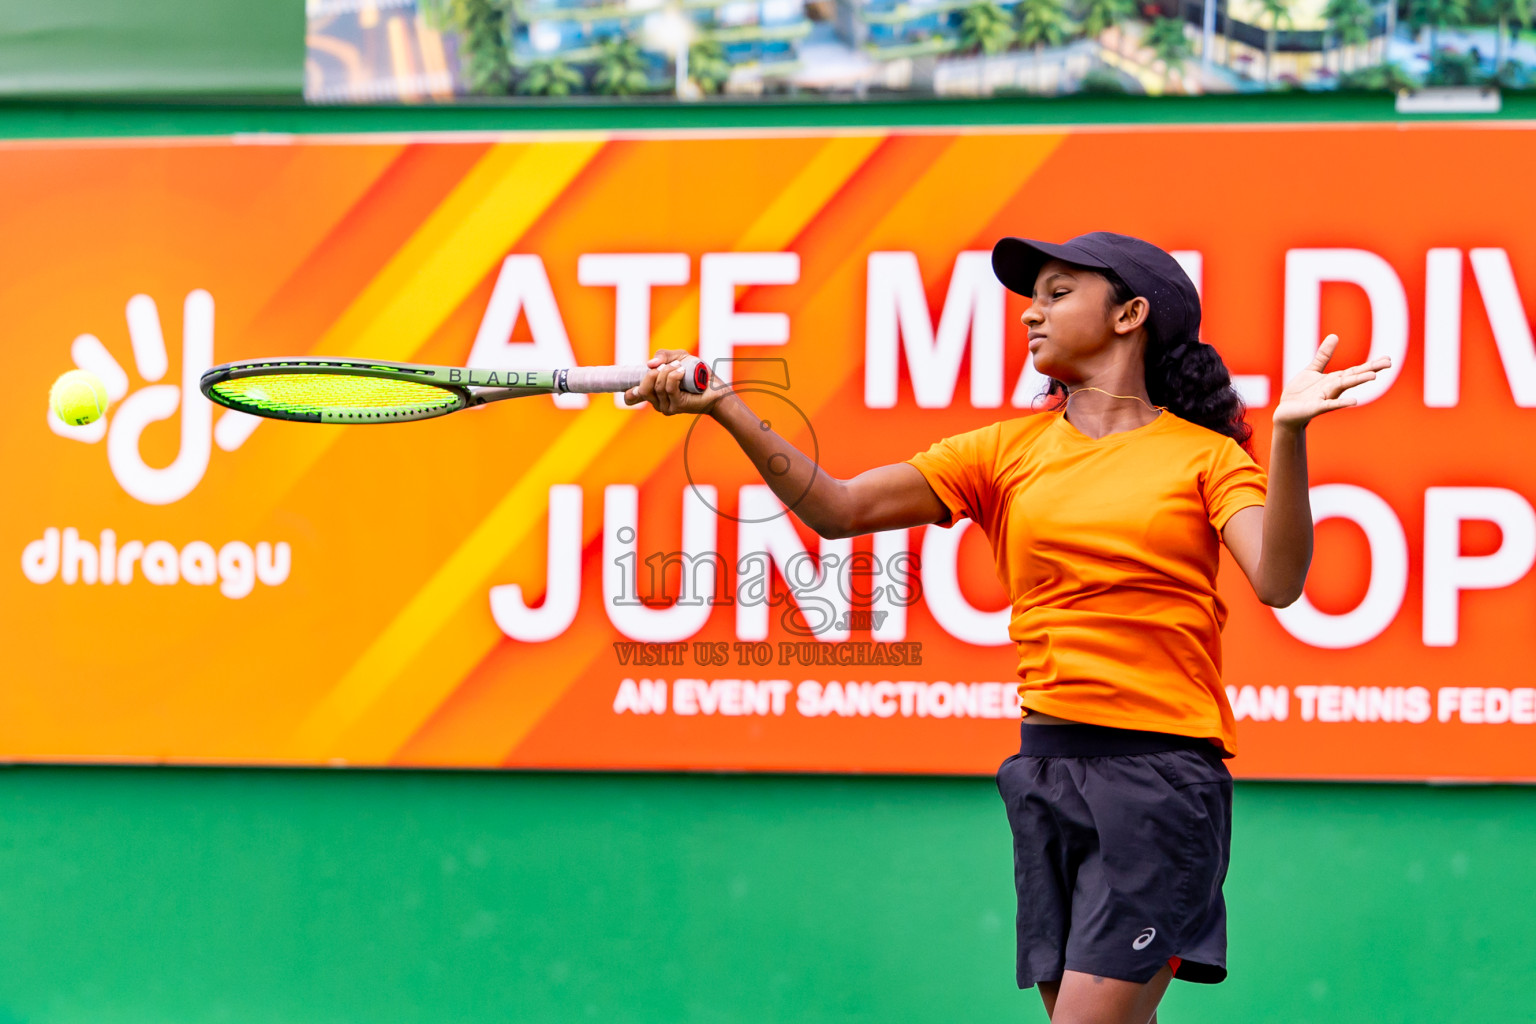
column 1315, row 391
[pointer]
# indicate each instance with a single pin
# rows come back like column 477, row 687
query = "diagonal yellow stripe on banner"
column 508, row 523
column 970, row 160
column 430, row 276
column 327, row 733
column 778, row 225
column 499, row 199
column 805, row 196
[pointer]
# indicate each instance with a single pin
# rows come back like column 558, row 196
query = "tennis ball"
column 78, row 398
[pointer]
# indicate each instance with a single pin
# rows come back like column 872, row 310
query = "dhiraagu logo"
column 135, row 408
column 65, row 554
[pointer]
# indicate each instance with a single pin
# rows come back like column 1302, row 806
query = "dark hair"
column 1184, row 375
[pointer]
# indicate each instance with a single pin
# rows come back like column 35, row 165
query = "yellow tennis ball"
column 78, row 398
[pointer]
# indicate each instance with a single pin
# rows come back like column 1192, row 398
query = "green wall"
column 33, row 118
column 151, row 47
column 159, row 895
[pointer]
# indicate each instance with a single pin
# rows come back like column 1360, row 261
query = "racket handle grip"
column 592, row 380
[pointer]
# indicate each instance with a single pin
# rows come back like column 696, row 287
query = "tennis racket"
column 374, row 391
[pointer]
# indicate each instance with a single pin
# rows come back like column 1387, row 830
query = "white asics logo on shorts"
column 1144, row 939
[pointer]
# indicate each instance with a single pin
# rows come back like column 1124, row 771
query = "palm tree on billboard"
column 1276, row 12
column 1503, row 12
column 708, row 66
column 483, row 27
column 1379, row 78
column 1042, row 23
column 620, row 68
column 984, row 28
column 1170, row 45
column 552, row 77
column 1351, row 24
column 1099, row 16
column 1435, row 13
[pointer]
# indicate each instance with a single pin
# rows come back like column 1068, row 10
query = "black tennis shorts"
column 1120, row 847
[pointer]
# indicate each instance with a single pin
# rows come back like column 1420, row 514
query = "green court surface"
column 191, row 896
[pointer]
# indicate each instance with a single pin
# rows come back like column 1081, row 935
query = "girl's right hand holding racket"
column 662, row 387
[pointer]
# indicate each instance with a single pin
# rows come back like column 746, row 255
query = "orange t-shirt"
column 1108, row 549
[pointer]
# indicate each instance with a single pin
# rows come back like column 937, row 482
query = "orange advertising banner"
column 566, row 583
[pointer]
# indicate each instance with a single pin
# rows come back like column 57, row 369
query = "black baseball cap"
column 1147, row 270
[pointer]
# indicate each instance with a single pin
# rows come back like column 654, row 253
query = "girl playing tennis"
column 1105, row 513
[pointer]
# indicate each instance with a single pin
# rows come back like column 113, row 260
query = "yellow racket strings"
column 301, row 394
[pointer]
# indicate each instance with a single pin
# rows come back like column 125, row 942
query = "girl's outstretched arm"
column 1273, row 545
column 885, row 498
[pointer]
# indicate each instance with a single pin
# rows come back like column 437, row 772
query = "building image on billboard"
column 435, row 50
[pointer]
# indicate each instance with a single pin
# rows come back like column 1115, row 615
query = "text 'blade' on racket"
column 320, row 390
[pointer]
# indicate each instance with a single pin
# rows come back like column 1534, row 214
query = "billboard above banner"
column 554, row 51
column 569, row 583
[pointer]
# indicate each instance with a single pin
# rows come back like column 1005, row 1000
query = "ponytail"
column 1192, row 382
